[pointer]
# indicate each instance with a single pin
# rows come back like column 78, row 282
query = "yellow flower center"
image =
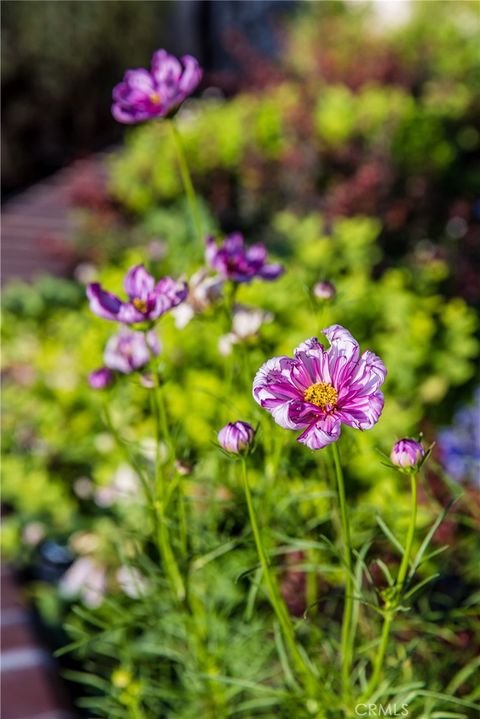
column 321, row 394
column 155, row 98
column 140, row 305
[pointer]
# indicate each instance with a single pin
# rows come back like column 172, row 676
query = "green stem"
column 402, row 573
column 135, row 711
column 197, row 625
column 274, row 594
column 187, row 180
column 182, row 518
column 163, row 535
column 178, row 486
column 163, row 419
column 346, row 639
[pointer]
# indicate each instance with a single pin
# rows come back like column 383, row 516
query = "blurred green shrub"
column 384, row 136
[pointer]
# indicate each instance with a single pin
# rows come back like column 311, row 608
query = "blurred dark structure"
column 60, row 61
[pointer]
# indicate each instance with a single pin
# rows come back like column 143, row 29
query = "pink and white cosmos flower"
column 319, row 389
column 147, row 299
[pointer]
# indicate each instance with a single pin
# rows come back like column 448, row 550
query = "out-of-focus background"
column 60, row 61
column 346, row 136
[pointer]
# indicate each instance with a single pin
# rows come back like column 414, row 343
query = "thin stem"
column 402, row 573
column 163, row 535
column 346, row 639
column 197, row 625
column 187, row 180
column 163, row 419
column 165, row 429
column 274, row 594
column 182, row 518
column 135, row 711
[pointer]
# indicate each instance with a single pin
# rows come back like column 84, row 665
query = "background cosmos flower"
column 246, row 323
column 203, row 291
column 233, row 261
column 319, row 389
column 324, row 290
column 100, row 378
column 147, row 300
column 460, row 444
column 128, row 351
column 143, row 94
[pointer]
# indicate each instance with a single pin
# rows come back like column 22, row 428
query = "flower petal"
column 303, row 414
column 140, row 81
column 234, row 243
column 166, row 69
column 362, row 412
column 271, row 272
column 211, row 252
column 192, row 74
column 342, row 344
column 273, row 389
column 138, row 282
column 322, row 433
column 256, row 253
column 312, row 363
column 103, row 304
column 311, row 344
column 167, row 293
column 362, row 379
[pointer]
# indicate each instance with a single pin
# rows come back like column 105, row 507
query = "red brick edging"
column 30, row 688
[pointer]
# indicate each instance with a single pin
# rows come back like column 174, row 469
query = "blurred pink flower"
column 144, row 95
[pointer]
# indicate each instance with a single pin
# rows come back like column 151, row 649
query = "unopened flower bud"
column 183, row 468
column 324, row 291
column 236, row 437
column 407, row 453
column 101, row 378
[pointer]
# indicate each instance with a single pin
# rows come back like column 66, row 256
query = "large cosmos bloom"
column 320, row 388
column 143, row 95
column 147, row 300
column 233, row 261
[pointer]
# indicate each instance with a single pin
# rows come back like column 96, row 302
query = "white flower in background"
column 85, row 579
column 246, row 324
column 84, row 542
column 84, row 488
column 148, row 449
column 156, row 250
column 86, row 272
column 33, row 533
column 104, row 442
column 131, row 582
column 123, row 487
column 203, row 291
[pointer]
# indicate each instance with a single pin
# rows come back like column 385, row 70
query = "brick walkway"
column 31, row 688
column 37, row 224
